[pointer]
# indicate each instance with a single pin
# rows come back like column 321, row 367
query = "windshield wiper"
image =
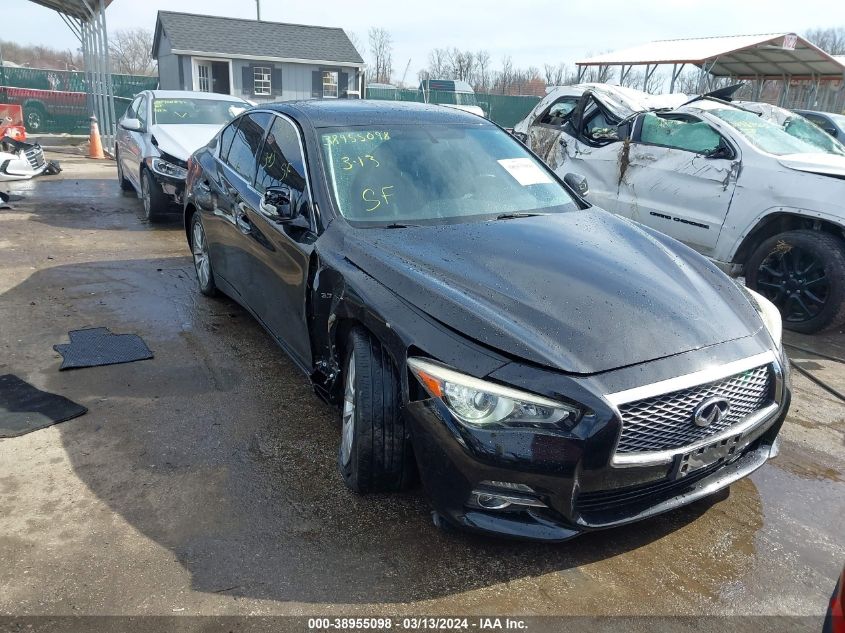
column 518, row 214
column 397, row 225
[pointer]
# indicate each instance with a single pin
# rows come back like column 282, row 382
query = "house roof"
column 770, row 55
column 237, row 37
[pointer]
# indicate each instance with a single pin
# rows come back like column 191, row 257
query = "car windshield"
column 196, row 111
column 765, row 135
column 435, row 174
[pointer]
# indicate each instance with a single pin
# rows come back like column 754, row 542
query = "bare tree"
column 556, row 75
column 462, row 64
column 381, row 51
column 131, row 51
column 831, row 40
column 438, row 64
column 482, row 71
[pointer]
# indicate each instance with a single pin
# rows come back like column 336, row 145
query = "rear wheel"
column 35, row 118
column 202, row 260
column 374, row 451
column 803, row 274
column 155, row 202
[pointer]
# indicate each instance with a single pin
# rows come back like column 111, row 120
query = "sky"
column 531, row 32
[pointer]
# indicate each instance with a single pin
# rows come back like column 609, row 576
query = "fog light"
column 490, row 500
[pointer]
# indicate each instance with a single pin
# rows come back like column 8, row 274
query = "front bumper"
column 573, row 475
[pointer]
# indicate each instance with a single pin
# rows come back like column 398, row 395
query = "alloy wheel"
column 201, row 260
column 794, row 280
column 348, row 417
column 145, row 195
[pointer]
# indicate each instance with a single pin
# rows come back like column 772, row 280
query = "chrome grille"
column 665, row 421
column 35, row 156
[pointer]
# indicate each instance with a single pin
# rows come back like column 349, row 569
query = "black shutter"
column 342, row 84
column 316, row 85
column 248, row 80
column 276, row 81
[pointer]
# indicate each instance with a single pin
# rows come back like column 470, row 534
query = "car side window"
column 142, row 111
column 281, row 161
column 226, row 137
column 559, row 111
column 246, row 143
column 132, row 110
column 687, row 134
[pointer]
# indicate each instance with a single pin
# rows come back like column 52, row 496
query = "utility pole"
column 258, row 10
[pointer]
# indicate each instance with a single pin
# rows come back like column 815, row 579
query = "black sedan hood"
column 582, row 291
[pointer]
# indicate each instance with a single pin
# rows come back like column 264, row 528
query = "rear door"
column 678, row 176
column 280, row 252
column 232, row 187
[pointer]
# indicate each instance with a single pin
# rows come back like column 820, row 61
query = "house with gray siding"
column 259, row 61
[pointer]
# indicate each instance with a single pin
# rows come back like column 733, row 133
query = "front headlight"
column 165, row 168
column 770, row 315
column 482, row 404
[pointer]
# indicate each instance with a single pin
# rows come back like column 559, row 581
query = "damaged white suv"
column 760, row 193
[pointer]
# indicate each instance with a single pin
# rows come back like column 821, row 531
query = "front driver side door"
column 280, row 250
column 677, row 175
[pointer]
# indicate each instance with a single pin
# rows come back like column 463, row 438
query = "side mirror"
column 578, row 183
column 275, row 204
column 133, row 125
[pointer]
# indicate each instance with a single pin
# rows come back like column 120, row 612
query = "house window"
column 329, row 84
column 261, row 81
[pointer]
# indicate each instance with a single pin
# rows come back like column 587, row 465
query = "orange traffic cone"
column 95, row 145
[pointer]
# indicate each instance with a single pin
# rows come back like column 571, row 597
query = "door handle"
column 242, row 220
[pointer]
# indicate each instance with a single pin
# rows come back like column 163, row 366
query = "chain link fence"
column 55, row 101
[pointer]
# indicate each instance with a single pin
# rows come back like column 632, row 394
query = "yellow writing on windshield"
column 371, row 197
column 348, row 163
column 355, row 137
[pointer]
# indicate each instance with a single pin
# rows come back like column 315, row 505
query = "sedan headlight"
column 482, row 404
column 770, row 315
column 168, row 169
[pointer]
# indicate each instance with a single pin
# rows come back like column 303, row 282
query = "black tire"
column 35, row 118
column 201, row 257
column 125, row 185
column 154, row 199
column 803, row 273
column 379, row 456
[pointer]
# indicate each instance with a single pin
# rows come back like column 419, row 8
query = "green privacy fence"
column 55, row 100
column 506, row 110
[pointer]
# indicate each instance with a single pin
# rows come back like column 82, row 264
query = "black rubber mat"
column 24, row 409
column 98, row 346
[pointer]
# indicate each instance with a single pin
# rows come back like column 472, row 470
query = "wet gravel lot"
column 204, row 481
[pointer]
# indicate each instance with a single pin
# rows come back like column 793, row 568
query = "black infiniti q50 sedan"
column 547, row 368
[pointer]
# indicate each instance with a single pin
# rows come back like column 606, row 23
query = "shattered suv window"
column 764, row 135
column 689, row 135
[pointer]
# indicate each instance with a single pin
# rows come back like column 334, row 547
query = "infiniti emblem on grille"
column 711, row 411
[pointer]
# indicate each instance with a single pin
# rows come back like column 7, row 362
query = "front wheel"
column 803, row 273
column 374, row 453
column 154, row 199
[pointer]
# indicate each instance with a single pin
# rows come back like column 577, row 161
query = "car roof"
column 190, row 94
column 358, row 112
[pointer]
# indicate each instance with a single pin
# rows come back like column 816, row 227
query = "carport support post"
column 581, row 70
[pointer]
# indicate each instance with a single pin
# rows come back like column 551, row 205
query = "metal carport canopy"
column 79, row 9
column 87, row 21
column 766, row 56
